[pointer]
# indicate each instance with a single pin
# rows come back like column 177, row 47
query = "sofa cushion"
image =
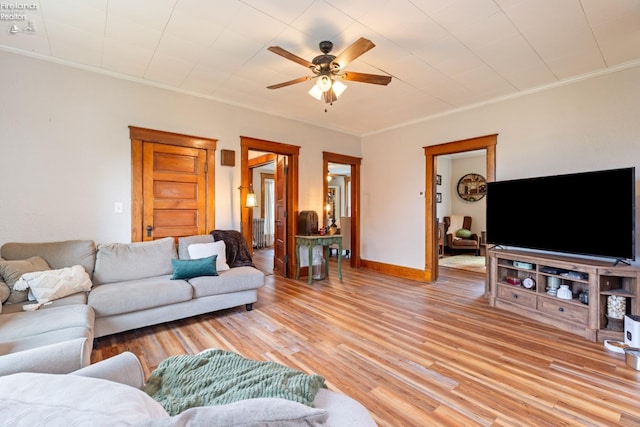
column 78, row 298
column 51, row 285
column 117, row 262
column 466, row 242
column 184, row 242
column 57, row 254
column 250, row 412
column 135, row 295
column 203, row 250
column 24, row 324
column 189, row 268
column 46, row 338
column 233, row 280
column 4, row 291
column 66, row 400
column 12, row 270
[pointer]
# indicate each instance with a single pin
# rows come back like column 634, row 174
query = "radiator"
column 259, row 238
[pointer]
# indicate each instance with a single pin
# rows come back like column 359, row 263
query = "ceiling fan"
column 328, row 69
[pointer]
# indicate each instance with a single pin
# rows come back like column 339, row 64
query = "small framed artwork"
column 438, row 197
column 439, row 179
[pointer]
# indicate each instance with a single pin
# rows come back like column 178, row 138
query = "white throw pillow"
column 50, row 285
column 29, row 399
column 204, row 250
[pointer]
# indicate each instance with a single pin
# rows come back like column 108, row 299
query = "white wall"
column 65, row 149
column 588, row 125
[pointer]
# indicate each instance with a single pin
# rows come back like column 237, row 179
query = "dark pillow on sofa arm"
column 189, row 268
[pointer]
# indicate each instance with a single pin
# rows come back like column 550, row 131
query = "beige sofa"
column 132, row 287
column 115, row 384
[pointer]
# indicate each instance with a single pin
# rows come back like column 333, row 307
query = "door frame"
column 293, row 153
column 354, row 162
column 488, row 143
column 140, row 135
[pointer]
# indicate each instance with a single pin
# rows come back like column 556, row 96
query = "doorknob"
column 149, row 228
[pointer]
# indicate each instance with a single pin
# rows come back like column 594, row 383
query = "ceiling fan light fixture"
column 338, row 88
column 324, row 83
column 316, row 92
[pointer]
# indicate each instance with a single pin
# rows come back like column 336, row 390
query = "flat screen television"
column 588, row 213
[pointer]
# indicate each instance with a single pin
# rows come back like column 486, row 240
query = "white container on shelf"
column 564, row 292
column 616, row 306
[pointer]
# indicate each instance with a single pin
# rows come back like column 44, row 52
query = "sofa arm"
column 125, row 368
column 58, row 358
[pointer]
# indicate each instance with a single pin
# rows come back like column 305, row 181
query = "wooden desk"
column 317, row 240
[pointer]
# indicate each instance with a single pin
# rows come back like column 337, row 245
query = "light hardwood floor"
column 414, row 354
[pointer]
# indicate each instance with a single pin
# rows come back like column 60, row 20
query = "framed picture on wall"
column 439, row 179
column 438, row 197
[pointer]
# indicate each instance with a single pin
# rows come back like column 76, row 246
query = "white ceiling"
column 444, row 55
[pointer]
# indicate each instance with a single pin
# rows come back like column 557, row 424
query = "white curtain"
column 269, row 207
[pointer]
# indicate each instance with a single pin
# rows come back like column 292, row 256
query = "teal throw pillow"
column 463, row 233
column 189, row 268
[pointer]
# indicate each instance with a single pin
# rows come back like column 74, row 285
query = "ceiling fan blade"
column 330, row 96
column 366, row 78
column 289, row 83
column 290, row 56
column 360, row 46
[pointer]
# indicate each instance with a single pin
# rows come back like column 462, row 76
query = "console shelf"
column 527, row 282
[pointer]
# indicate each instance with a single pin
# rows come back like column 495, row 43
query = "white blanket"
column 456, row 223
column 53, row 284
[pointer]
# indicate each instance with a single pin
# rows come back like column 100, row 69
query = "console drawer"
column 563, row 309
column 517, row 295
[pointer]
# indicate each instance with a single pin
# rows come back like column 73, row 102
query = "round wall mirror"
column 472, row 187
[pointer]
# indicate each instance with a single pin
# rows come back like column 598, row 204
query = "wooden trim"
column 470, row 144
column 211, row 190
column 262, row 160
column 394, row 270
column 328, row 157
column 137, row 198
column 488, row 143
column 140, row 135
column 171, row 138
column 293, row 153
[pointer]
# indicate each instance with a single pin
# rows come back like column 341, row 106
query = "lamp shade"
column 338, row 88
column 324, row 83
column 315, row 92
column 252, row 202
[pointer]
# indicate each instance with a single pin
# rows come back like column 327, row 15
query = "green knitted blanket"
column 218, row 377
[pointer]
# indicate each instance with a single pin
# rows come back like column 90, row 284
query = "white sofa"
column 107, row 393
column 132, row 288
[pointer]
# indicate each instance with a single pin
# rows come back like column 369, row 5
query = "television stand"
column 621, row 261
column 535, row 298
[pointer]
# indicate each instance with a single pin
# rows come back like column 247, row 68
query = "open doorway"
column 461, row 210
column 484, row 143
column 285, row 199
column 342, row 201
column 262, row 168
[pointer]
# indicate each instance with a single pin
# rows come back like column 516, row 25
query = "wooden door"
column 280, row 236
column 174, row 191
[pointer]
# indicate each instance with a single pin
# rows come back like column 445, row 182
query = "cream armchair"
column 345, row 232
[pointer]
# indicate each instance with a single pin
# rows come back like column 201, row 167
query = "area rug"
column 465, row 262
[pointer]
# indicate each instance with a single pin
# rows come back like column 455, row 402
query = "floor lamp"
column 250, row 202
